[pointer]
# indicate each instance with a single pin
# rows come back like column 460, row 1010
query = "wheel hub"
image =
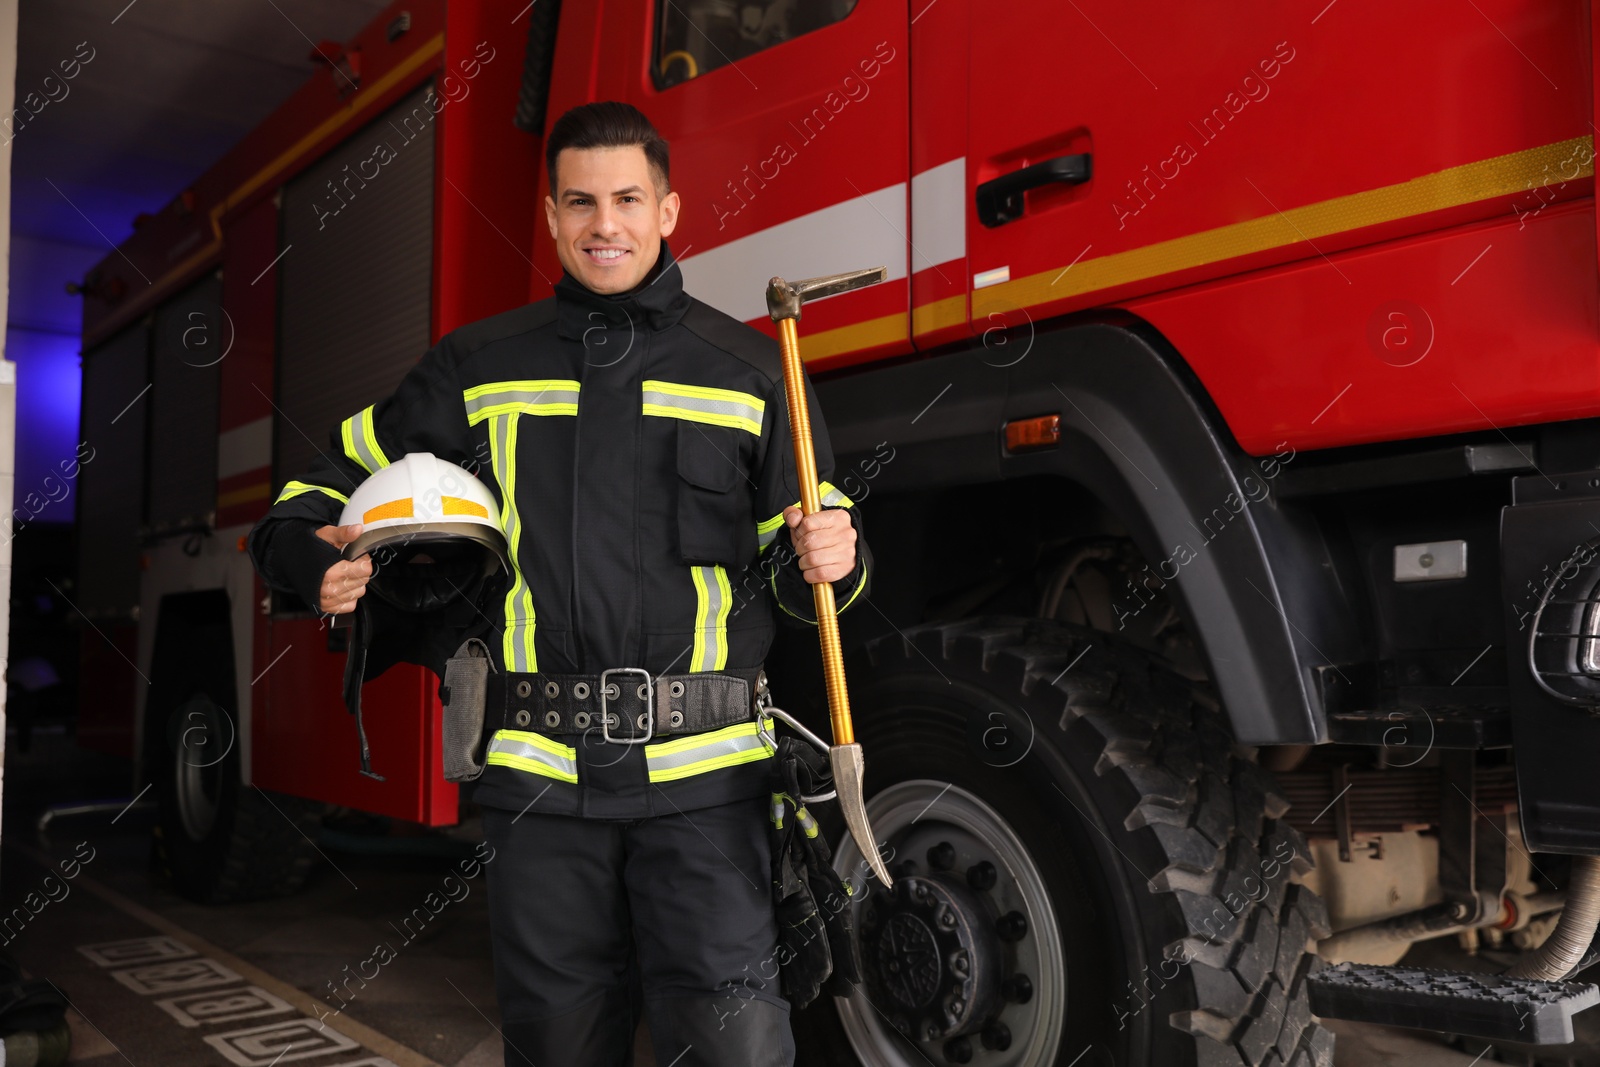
column 935, row 955
column 962, row 958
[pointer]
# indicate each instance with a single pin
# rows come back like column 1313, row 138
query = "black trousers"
column 593, row 919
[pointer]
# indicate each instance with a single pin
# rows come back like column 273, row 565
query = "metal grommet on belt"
column 552, row 690
column 640, row 690
column 580, row 690
column 524, row 687
column 581, row 719
column 640, row 721
column 677, row 718
column 523, row 718
column 552, row 719
column 676, row 689
column 610, row 690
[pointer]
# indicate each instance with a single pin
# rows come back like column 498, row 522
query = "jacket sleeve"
column 779, row 488
column 425, row 413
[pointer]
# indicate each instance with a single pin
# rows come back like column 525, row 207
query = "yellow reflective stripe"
column 860, row 585
column 361, row 441
column 531, row 396
column 1467, row 183
column 713, row 596
column 832, row 495
column 454, row 505
column 517, row 641
column 703, row 403
column 700, row 753
column 534, row 753
column 767, row 529
column 394, row 509
column 294, row 489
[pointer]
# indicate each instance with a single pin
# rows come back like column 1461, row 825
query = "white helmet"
column 418, row 501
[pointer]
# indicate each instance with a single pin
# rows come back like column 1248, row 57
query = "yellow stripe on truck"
column 1469, row 183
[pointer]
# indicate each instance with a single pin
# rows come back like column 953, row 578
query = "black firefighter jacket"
column 638, row 444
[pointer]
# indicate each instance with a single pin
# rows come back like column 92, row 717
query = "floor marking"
column 305, row 1002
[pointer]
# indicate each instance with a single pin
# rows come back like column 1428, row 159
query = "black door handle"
column 1000, row 199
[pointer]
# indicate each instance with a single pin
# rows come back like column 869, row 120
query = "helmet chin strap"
column 355, row 669
column 432, row 589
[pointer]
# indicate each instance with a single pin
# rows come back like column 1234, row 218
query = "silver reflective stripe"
column 712, row 600
column 767, row 530
column 538, row 396
column 518, row 638
column 701, row 403
column 700, row 753
column 533, row 753
column 361, row 441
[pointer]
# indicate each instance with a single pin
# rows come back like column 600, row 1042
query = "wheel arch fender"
column 1257, row 580
column 193, row 648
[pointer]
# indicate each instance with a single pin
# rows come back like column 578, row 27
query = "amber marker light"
column 1041, row 431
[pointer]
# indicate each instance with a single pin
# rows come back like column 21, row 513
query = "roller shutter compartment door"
column 187, row 347
column 355, row 280
column 110, row 482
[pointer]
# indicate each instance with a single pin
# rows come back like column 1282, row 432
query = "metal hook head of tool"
column 784, row 298
column 848, row 770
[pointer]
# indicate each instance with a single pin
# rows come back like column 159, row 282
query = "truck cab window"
column 696, row 36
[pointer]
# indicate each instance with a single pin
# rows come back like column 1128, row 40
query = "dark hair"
column 609, row 124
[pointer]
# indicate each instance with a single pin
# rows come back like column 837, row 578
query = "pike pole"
column 845, row 756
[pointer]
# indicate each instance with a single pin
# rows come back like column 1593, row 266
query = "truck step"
column 1456, row 1002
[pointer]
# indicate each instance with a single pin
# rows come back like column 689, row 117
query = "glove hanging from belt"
column 816, row 942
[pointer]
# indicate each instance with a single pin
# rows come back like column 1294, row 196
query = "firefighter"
column 637, row 442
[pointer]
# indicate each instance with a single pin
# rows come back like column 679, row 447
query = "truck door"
column 1095, row 130
column 789, row 127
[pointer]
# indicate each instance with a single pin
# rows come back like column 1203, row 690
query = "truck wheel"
column 217, row 839
column 1088, row 870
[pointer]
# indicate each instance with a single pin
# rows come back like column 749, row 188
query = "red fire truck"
column 1212, row 342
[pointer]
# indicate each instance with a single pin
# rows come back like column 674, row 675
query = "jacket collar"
column 656, row 303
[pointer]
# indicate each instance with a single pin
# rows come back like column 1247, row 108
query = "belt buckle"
column 649, row 705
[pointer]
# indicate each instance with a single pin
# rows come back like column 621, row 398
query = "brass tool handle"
column 805, row 463
column 783, row 303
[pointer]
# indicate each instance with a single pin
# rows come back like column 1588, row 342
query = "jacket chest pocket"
column 714, row 518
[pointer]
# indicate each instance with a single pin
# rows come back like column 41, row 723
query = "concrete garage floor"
column 153, row 976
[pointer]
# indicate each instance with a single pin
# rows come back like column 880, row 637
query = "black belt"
column 613, row 704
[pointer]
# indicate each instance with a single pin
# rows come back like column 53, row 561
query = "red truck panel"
column 1291, row 136
column 793, row 161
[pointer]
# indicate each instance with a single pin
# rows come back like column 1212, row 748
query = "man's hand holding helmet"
column 346, row 581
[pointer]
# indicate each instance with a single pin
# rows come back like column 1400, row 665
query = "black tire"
column 218, row 840
column 1174, row 882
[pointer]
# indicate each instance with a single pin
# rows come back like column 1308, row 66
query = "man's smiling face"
column 606, row 216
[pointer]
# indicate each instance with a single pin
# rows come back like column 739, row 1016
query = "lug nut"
column 1012, row 926
column 982, row 876
column 1018, row 989
column 958, row 1050
column 997, row 1037
column 942, row 857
